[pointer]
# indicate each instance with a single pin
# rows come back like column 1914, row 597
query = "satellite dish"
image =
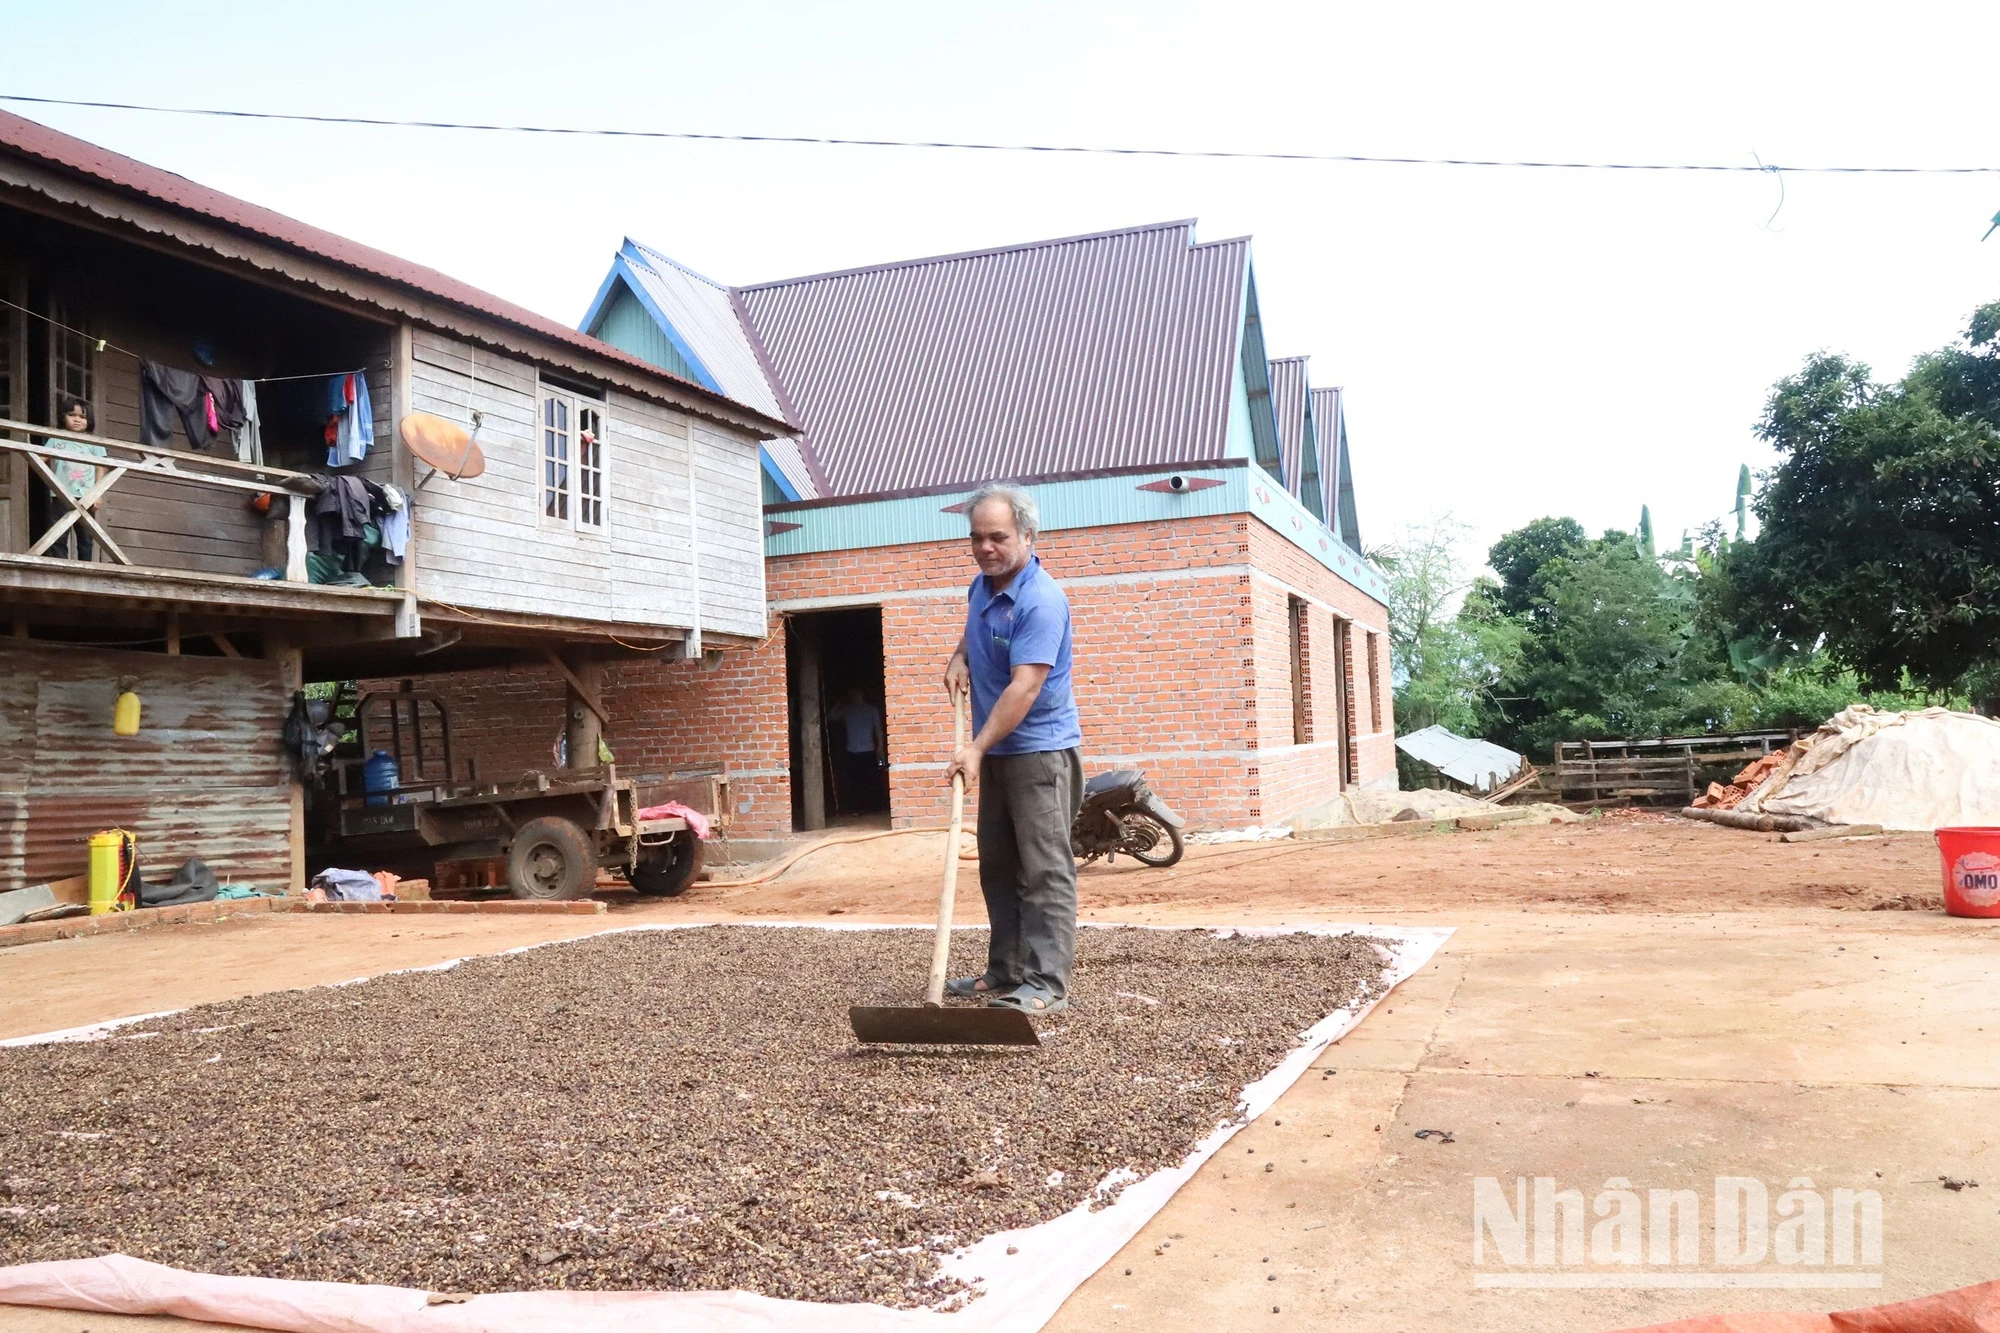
column 444, row 445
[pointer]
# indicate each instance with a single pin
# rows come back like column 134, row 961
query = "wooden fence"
column 1679, row 768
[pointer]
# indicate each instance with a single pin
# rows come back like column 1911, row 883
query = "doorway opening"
column 840, row 722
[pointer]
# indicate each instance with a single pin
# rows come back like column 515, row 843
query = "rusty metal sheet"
column 204, row 777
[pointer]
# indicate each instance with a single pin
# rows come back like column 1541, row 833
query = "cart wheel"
column 666, row 869
column 551, row 858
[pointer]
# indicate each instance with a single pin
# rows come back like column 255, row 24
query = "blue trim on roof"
column 776, row 474
column 599, row 301
column 622, row 270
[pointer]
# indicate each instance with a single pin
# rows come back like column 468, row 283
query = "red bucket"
column 1971, row 870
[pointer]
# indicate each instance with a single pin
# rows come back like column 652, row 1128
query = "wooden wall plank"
column 488, row 547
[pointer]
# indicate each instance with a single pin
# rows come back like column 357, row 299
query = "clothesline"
column 103, row 343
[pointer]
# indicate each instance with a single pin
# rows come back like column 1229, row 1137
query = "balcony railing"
column 124, row 459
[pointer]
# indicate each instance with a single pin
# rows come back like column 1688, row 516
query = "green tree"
column 1881, row 523
column 1617, row 654
column 1524, row 557
column 1446, row 662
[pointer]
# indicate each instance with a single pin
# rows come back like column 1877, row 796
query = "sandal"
column 1030, row 1000
column 969, row 988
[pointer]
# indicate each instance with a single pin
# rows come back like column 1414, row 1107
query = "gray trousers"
column 1027, row 803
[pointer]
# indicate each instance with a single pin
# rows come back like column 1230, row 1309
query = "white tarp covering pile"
column 1917, row 770
column 1480, row 765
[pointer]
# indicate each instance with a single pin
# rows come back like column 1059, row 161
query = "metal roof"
column 1335, row 471
column 1107, row 350
column 701, row 311
column 1288, row 403
column 786, row 456
column 1480, row 765
column 34, row 140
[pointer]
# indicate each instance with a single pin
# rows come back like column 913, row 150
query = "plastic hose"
column 787, row 862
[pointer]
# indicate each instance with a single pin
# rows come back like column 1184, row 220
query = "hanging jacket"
column 350, row 425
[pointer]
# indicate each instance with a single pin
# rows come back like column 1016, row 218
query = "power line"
column 1762, row 168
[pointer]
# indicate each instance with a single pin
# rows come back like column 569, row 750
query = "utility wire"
column 1766, row 168
column 103, row 343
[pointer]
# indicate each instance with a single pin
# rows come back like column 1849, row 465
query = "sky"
column 1513, row 343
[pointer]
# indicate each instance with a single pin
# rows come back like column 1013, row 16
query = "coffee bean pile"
column 677, row 1110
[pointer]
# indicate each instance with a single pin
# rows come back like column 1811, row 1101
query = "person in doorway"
column 862, row 752
column 74, row 414
column 1025, row 754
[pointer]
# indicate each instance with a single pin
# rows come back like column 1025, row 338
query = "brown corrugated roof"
column 34, row 140
column 1288, row 403
column 1087, row 352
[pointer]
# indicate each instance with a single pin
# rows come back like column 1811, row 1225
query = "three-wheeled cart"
column 554, row 830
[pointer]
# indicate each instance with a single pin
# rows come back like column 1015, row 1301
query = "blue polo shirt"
column 1027, row 624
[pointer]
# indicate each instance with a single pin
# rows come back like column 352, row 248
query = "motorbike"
column 1122, row 814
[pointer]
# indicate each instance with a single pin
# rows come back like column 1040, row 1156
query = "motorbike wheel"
column 1150, row 841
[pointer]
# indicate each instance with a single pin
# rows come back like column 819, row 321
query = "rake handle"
column 941, row 950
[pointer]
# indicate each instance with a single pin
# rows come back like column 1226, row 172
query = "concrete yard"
column 1636, row 999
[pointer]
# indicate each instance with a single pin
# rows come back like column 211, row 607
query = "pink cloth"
column 675, row 810
column 208, row 401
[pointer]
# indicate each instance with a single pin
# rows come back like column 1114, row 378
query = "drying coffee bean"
column 675, row 1110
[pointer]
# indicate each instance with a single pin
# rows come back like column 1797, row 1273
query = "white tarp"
column 1021, row 1291
column 1917, row 770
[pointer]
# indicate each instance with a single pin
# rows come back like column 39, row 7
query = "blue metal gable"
column 610, row 319
column 621, row 285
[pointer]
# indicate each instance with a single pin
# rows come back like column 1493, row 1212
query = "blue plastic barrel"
column 379, row 775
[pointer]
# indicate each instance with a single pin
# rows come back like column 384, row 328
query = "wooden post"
column 582, row 689
column 291, row 678
column 811, row 776
column 691, row 646
column 173, row 634
column 403, row 470
column 948, row 890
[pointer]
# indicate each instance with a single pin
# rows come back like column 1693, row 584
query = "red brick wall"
column 665, row 716
column 1182, row 672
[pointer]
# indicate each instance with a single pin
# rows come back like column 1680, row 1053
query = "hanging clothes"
column 250, row 439
column 339, row 517
column 350, row 420
column 344, row 525
column 224, row 406
column 167, row 395
column 394, row 522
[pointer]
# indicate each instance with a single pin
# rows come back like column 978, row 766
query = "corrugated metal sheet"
column 626, row 323
column 1288, row 403
column 1109, row 350
column 1285, row 514
column 1336, row 472
column 702, row 313
column 38, row 141
column 204, row 777
column 1480, row 765
column 1082, row 503
column 786, row 456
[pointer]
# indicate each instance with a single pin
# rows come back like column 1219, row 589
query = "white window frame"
column 571, row 478
column 587, row 504
column 62, row 343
